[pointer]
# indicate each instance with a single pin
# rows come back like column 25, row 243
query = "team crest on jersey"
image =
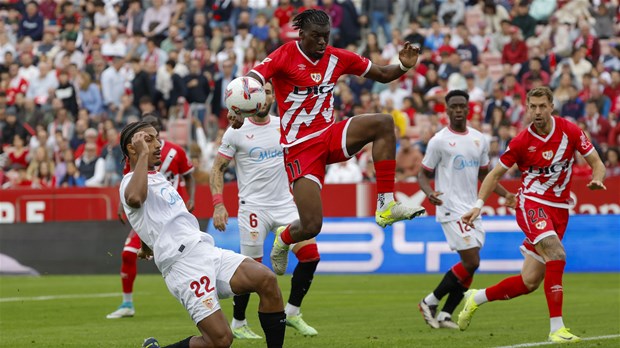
column 547, row 155
column 477, row 142
column 584, row 141
column 541, row 224
column 209, row 303
column 254, row 235
column 316, row 77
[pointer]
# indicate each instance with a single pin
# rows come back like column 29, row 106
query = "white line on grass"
column 536, row 344
column 58, row 297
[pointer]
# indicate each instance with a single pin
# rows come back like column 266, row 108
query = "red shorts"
column 132, row 243
column 309, row 159
column 538, row 221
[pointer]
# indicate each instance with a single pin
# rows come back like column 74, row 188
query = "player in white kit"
column 196, row 272
column 457, row 156
column 265, row 203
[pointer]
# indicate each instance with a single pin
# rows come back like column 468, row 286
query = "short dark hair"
column 313, row 16
column 457, row 93
column 128, row 132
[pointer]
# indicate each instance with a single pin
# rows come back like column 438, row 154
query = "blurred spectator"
column 535, row 71
column 427, row 12
column 335, row 13
column 347, row 172
column 113, row 83
column 66, row 93
column 126, row 111
column 514, row 52
column 581, row 169
column 17, row 153
column 197, row 88
column 134, row 17
column 451, row 13
column 590, row 42
column 597, row 125
column 218, row 106
column 349, row 26
column 408, row 161
column 377, row 14
column 284, row 12
column 579, row 66
column 91, row 166
column 574, row 107
column 497, row 101
column 90, row 95
column 523, row 20
column 434, row 39
column 105, row 15
column 395, row 93
column 12, row 127
column 72, row 177
column 39, row 157
column 44, row 177
column 113, row 156
column 156, row 20
column 260, row 28
column 31, row 25
column 79, row 136
column 611, row 162
column 556, row 33
column 43, row 85
column 90, row 137
column 493, row 15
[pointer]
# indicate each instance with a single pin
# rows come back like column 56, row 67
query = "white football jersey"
column 163, row 222
column 259, row 162
column 456, row 159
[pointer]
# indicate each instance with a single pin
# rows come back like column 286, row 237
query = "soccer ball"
column 245, row 96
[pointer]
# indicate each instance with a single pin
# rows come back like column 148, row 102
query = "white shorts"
column 200, row 278
column 463, row 237
column 255, row 223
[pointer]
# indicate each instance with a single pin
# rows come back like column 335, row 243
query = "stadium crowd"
column 74, row 72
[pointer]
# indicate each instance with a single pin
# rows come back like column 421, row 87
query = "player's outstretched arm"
column 598, row 171
column 511, row 200
column 137, row 188
column 408, row 57
column 425, row 185
column 216, row 183
column 488, row 186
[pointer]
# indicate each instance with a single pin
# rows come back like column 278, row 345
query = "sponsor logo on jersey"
column 547, row 155
column 531, row 149
column 302, row 66
column 553, row 168
column 316, row 90
column 259, row 154
column 209, row 303
column 249, row 136
column 171, row 196
column 541, row 224
column 316, row 77
column 453, row 144
column 585, row 143
column 460, row 162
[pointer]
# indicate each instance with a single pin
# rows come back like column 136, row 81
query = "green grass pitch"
column 347, row 310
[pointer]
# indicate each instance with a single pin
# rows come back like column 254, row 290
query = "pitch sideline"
column 536, row 344
column 58, row 297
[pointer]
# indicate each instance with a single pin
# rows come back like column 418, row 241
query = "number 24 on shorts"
column 197, row 286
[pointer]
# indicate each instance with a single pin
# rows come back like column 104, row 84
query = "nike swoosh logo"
column 566, row 338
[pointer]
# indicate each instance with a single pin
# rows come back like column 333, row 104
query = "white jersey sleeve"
column 485, row 161
column 228, row 148
column 432, row 157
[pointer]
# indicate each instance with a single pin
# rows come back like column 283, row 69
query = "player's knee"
column 557, row 254
column 386, row 123
column 532, row 281
column 312, row 227
column 223, row 340
column 268, row 283
column 129, row 257
column 471, row 266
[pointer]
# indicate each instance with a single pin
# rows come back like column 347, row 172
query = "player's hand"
column 511, row 200
column 471, row 216
column 236, row 121
column 409, row 55
column 220, row 217
column 190, row 205
column 145, row 254
column 433, row 198
column 596, row 185
column 139, row 142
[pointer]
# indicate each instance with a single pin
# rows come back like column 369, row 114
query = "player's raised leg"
column 129, row 270
column 379, row 129
column 308, row 255
column 240, row 327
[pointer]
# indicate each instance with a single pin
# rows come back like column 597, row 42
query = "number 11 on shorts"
column 292, row 168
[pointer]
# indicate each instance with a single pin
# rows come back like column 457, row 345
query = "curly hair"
column 317, row 17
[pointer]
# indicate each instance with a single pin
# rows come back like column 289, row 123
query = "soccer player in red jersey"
column 175, row 164
column 544, row 152
column 304, row 74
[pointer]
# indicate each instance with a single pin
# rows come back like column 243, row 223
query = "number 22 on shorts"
column 203, row 284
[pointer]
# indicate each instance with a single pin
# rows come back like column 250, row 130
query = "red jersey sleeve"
column 269, row 67
column 511, row 155
column 353, row 62
column 126, row 167
column 580, row 139
column 185, row 165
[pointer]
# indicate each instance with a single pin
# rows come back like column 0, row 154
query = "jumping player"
column 175, row 165
column 545, row 153
column 265, row 203
column 304, row 74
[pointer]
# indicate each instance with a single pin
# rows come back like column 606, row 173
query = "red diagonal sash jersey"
column 304, row 87
column 547, row 162
column 174, row 164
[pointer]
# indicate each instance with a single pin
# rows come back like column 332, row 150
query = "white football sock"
column 481, row 297
column 431, row 300
column 443, row 315
column 291, row 310
column 128, row 297
column 556, row 323
column 238, row 323
column 383, row 200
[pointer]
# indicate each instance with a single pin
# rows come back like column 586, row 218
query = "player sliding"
column 459, row 157
column 265, row 203
column 304, row 74
column 196, row 272
column 544, row 152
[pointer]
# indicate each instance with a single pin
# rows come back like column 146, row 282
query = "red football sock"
column 506, row 289
column 553, row 287
column 385, row 172
column 286, row 236
column 129, row 270
column 462, row 275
